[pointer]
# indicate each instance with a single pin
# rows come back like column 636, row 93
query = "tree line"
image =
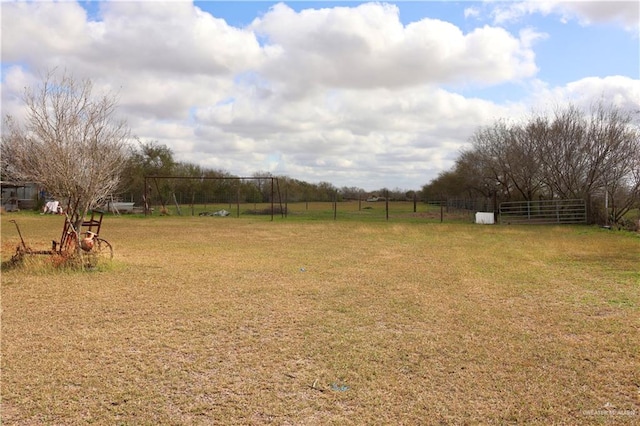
column 591, row 154
column 146, row 160
column 151, row 163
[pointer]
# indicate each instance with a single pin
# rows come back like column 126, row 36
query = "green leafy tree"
column 146, row 159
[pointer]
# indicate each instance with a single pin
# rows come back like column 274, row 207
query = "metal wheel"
column 100, row 253
column 103, row 249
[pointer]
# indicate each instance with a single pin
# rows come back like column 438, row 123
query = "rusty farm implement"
column 85, row 243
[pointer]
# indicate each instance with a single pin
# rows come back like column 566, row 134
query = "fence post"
column 286, row 201
column 272, row 199
column 386, row 203
column 146, row 197
column 175, row 201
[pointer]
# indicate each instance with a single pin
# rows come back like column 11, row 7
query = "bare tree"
column 522, row 154
column 564, row 154
column 593, row 155
column 615, row 150
column 70, row 143
column 488, row 161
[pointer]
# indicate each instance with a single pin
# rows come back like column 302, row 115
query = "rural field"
column 248, row 321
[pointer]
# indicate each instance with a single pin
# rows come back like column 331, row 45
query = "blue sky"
column 359, row 94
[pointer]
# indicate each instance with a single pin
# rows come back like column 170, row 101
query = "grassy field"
column 209, row 320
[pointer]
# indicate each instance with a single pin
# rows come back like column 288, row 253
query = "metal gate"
column 543, row 212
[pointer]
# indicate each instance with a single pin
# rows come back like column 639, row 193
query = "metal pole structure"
column 282, row 211
column 238, row 202
column 386, row 202
column 606, row 206
column 146, row 197
column 286, row 201
column 203, row 178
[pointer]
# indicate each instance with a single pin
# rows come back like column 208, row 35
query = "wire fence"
column 235, row 206
column 267, row 197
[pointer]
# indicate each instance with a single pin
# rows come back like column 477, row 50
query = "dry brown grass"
column 244, row 321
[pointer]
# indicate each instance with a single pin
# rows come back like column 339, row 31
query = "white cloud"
column 33, row 31
column 471, row 12
column 175, row 37
column 513, row 11
column 620, row 91
column 368, row 47
column 624, row 13
column 378, row 132
column 528, row 36
column 15, row 80
column 161, row 58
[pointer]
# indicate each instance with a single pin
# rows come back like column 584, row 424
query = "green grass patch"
column 395, row 211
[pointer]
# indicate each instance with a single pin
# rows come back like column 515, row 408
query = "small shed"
column 18, row 195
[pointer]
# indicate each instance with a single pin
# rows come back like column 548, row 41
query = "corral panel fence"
column 572, row 211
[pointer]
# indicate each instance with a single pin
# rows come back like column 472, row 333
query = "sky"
column 358, row 94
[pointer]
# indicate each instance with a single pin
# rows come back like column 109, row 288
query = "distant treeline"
column 152, row 159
